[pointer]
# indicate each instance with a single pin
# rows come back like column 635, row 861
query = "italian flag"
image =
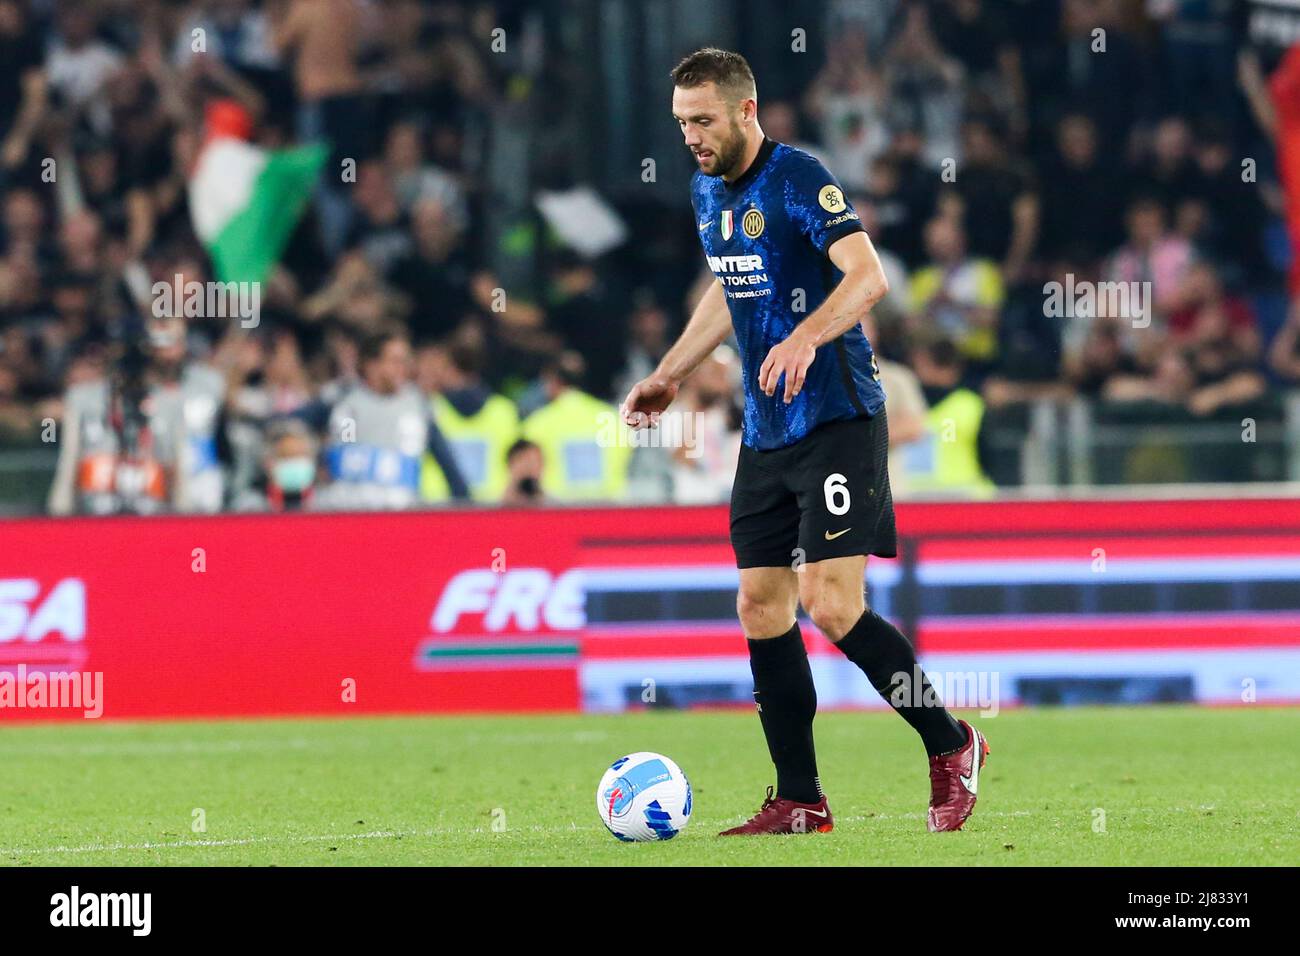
column 246, row 201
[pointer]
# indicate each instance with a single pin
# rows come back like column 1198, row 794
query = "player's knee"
column 759, row 615
column 834, row 615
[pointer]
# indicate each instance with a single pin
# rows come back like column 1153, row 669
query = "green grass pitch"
column 1145, row 786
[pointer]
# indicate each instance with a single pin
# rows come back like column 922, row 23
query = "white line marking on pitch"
column 394, row 834
column 184, row 844
column 443, row 831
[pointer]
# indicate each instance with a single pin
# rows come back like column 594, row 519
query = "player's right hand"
column 646, row 400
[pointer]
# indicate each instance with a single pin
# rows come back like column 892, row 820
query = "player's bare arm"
column 864, row 284
column 709, row 326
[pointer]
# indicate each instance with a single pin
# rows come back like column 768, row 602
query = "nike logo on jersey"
column 705, row 224
column 832, row 537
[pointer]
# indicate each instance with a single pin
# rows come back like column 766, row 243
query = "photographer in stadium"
column 123, row 444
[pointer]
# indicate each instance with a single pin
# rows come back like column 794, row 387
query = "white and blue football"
column 644, row 796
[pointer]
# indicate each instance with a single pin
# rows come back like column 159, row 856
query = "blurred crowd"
column 994, row 150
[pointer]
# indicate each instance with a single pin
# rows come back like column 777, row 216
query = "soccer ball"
column 644, row 796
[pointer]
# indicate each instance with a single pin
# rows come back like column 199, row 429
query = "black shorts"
column 825, row 496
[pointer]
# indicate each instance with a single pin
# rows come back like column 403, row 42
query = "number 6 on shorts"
column 837, row 494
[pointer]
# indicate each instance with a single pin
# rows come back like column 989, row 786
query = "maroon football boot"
column 954, row 778
column 779, row 815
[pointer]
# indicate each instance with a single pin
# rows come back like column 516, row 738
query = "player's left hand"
column 791, row 358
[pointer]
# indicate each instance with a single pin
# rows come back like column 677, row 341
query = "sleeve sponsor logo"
column 831, row 198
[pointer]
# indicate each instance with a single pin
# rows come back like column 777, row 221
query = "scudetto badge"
column 831, row 199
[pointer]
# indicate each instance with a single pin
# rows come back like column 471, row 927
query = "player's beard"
column 730, row 153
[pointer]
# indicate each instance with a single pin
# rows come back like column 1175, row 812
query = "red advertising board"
column 275, row 614
column 460, row 611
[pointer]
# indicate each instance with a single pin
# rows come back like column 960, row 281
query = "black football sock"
column 787, row 702
column 888, row 660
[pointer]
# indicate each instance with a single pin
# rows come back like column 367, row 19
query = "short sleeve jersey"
column 766, row 237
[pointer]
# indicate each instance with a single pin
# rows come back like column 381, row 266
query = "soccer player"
column 812, row 488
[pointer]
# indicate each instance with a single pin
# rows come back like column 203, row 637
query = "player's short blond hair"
column 729, row 71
